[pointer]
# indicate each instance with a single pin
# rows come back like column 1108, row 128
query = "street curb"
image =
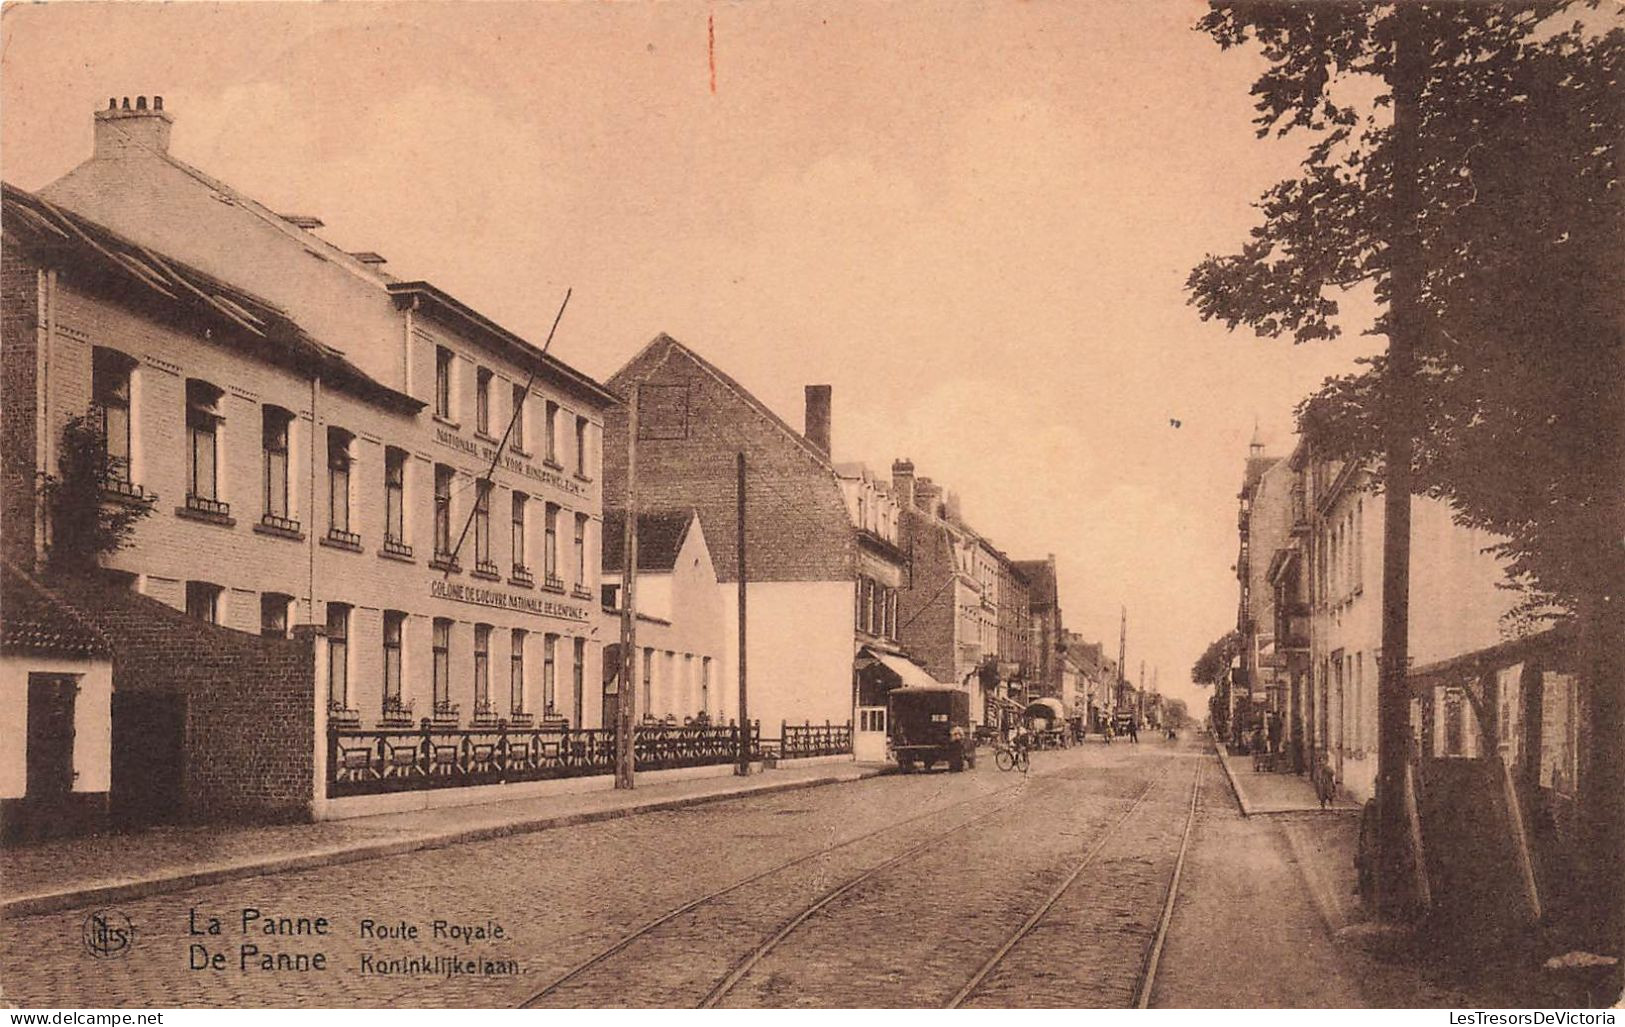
column 1224, row 761
column 72, row 898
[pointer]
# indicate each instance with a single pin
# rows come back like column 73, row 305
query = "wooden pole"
column 626, row 697
column 743, row 767
column 1396, row 889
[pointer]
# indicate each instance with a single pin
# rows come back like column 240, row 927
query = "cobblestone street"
column 982, row 889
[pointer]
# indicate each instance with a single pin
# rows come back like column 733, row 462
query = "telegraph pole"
column 1122, row 669
column 1405, row 326
column 743, row 767
column 626, row 705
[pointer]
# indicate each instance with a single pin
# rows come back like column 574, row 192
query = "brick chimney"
column 817, row 422
column 134, row 125
column 928, row 494
column 902, row 482
column 950, row 503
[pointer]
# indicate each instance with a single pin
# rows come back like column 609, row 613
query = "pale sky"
column 974, row 220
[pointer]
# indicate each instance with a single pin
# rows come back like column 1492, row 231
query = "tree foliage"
column 1519, row 364
column 1214, row 662
column 84, row 528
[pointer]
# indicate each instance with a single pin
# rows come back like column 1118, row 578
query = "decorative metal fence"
column 380, row 760
column 824, row 739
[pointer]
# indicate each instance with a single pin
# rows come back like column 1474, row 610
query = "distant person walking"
column 1275, row 733
column 1325, row 781
column 1134, row 730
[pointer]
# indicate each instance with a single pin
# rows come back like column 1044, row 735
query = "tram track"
column 717, row 917
column 644, row 931
column 1146, row 976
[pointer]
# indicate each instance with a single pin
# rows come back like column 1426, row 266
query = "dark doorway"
column 50, row 738
column 48, row 807
column 149, row 730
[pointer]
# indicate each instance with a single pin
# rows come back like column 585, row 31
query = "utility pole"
column 1394, row 889
column 626, row 698
column 1122, row 668
column 743, row 767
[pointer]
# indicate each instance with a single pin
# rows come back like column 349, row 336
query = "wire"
column 496, row 457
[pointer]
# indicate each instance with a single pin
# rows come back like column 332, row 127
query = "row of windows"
column 876, row 608
column 111, row 392
column 671, row 702
column 1340, row 563
column 203, row 602
column 486, row 422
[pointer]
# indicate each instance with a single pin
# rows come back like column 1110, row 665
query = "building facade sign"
column 478, row 595
column 510, row 462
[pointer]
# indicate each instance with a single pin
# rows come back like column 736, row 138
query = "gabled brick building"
column 1048, row 638
column 821, row 582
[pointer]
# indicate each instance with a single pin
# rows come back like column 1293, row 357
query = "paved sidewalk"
column 1261, row 792
column 75, row 872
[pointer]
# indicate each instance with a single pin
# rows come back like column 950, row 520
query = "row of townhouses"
column 1496, row 722
column 377, row 540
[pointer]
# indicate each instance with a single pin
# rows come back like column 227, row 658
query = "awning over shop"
column 911, row 674
column 1048, row 708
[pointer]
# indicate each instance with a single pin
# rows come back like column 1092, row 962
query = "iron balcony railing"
column 395, row 547
column 287, row 524
column 381, row 760
column 522, row 576
column 117, row 485
column 445, row 561
column 204, row 504
column 553, row 583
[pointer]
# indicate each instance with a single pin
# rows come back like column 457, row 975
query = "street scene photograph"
column 983, row 504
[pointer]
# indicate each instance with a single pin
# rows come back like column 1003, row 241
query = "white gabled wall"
column 800, row 647
column 92, row 721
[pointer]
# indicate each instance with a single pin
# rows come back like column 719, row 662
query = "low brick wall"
column 250, row 731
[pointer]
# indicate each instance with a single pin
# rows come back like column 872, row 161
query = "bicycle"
column 1011, row 757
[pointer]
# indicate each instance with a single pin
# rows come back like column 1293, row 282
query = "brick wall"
column 19, row 350
column 926, row 612
column 797, row 524
column 250, row 737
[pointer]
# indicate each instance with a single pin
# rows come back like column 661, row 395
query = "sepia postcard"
column 980, row 504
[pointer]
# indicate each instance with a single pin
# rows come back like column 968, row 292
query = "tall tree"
column 1518, row 414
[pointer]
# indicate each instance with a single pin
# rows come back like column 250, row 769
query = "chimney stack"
column 951, row 504
column 902, row 482
column 929, row 496
column 132, row 126
column 817, row 422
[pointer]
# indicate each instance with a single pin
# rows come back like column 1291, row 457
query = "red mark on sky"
column 711, row 48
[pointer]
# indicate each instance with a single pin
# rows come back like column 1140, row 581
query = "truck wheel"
column 956, row 763
column 906, row 765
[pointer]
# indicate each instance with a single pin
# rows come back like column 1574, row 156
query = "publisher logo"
column 108, row 934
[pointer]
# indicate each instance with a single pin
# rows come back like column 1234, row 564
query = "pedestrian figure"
column 1275, row 733
column 1325, row 781
column 1134, row 730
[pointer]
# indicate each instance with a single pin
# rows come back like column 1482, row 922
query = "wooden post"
column 626, row 698
column 743, row 766
column 1395, row 887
